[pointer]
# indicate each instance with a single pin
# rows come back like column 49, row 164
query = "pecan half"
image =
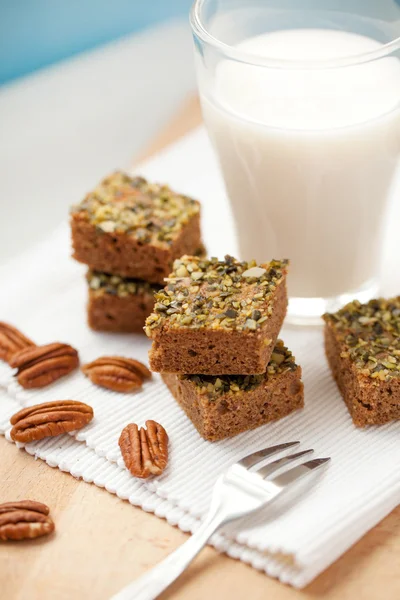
column 39, row 366
column 117, row 373
column 24, row 519
column 24, row 505
column 49, row 419
column 145, row 452
column 11, row 341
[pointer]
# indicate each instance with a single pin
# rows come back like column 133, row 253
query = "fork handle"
column 158, row 579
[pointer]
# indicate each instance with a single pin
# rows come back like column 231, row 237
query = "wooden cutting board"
column 102, row 543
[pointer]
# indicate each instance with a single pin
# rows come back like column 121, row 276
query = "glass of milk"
column 301, row 100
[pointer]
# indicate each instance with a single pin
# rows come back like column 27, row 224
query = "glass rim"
column 201, row 31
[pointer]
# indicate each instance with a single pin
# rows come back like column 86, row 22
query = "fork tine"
column 297, row 473
column 256, row 457
column 281, row 462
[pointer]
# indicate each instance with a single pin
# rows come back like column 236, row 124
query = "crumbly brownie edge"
column 370, row 402
column 106, row 312
column 120, row 254
column 231, row 414
column 219, row 351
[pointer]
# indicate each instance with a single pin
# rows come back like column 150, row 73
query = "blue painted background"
column 36, row 33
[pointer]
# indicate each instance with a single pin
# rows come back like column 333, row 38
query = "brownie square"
column 118, row 304
column 362, row 343
column 224, row 406
column 134, row 228
column 217, row 317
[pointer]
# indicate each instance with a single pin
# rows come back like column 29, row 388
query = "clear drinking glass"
column 301, row 100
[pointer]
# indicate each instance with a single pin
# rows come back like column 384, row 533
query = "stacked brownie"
column 214, row 329
column 129, row 231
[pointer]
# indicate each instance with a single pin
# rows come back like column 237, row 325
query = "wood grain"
column 102, row 543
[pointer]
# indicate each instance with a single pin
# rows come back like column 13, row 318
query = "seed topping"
column 217, row 294
column 150, row 212
column 370, row 334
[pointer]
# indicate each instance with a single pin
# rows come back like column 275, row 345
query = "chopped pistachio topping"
column 214, row 294
column 370, row 335
column 149, row 212
column 213, row 386
column 103, row 283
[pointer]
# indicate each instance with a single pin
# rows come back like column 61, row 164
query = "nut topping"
column 214, row 294
column 11, row 341
column 255, row 272
column 24, row 519
column 370, row 334
column 145, row 452
column 39, row 366
column 149, row 212
column 49, row 419
column 103, row 283
column 117, row 373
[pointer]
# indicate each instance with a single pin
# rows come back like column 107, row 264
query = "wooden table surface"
column 102, row 543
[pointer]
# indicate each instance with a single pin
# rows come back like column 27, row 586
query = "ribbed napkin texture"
column 44, row 294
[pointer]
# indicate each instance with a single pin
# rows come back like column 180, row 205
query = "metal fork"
column 241, row 490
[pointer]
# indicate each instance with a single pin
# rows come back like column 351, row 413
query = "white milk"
column 309, row 156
